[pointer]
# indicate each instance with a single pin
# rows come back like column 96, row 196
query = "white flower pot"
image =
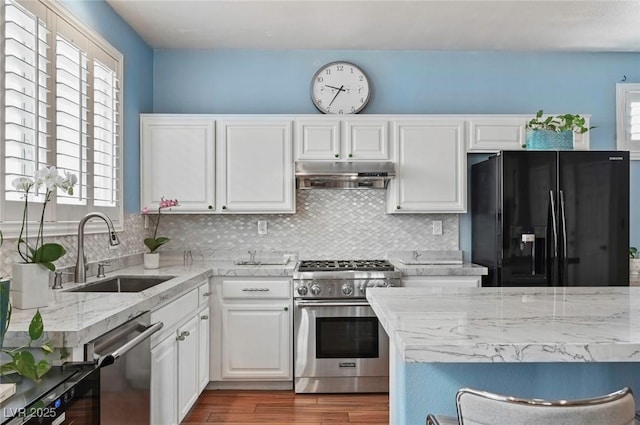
column 634, row 266
column 152, row 261
column 29, row 285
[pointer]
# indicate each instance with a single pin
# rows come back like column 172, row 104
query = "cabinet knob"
column 186, row 333
column 350, row 155
column 397, row 207
column 286, row 309
column 210, row 207
column 180, row 337
column 337, row 155
column 206, row 294
column 224, row 207
column 205, row 317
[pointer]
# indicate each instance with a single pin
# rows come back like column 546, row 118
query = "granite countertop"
column 74, row 318
column 434, row 263
column 462, row 269
column 485, row 325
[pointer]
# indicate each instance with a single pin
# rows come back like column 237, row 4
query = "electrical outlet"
column 262, row 227
column 437, row 227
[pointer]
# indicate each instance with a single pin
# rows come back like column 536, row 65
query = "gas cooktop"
column 344, row 265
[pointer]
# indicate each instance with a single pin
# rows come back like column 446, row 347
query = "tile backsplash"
column 328, row 224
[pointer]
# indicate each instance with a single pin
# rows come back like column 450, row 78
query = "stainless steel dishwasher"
column 124, row 357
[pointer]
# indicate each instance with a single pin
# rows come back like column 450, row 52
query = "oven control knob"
column 302, row 290
column 347, row 289
column 315, row 289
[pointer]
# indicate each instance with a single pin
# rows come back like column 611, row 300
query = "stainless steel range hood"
column 344, row 175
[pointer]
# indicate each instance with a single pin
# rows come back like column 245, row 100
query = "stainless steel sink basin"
column 123, row 284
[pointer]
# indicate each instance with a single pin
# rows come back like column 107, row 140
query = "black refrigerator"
column 552, row 218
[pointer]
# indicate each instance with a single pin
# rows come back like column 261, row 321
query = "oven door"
column 340, row 346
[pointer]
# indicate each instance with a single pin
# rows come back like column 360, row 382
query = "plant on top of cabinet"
column 554, row 132
column 565, row 122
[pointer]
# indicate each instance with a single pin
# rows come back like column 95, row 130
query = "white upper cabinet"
column 493, row 133
column 341, row 139
column 255, row 166
column 178, row 162
column 430, row 160
column 317, row 139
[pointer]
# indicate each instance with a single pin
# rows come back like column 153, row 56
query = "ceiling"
column 557, row 25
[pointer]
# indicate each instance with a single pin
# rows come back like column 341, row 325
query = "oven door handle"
column 332, row 304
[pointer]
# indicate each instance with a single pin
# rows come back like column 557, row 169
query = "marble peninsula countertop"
column 74, row 318
column 484, row 325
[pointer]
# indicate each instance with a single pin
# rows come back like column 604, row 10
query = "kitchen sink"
column 123, row 284
column 263, row 262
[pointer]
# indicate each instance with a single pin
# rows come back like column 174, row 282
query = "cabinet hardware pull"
column 337, row 155
column 206, row 294
column 286, row 309
column 180, row 338
column 186, row 333
column 204, row 317
column 398, row 207
column 350, row 155
column 210, row 207
column 255, row 289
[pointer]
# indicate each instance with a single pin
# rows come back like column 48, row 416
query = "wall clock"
column 340, row 88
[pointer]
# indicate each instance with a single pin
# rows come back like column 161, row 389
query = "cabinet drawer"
column 173, row 313
column 204, row 292
column 256, row 288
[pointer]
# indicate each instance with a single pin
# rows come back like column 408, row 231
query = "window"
column 628, row 118
column 61, row 97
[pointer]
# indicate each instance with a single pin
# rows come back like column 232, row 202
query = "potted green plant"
column 22, row 360
column 634, row 262
column 554, row 132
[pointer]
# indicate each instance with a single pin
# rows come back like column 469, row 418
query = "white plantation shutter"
column 628, row 118
column 106, row 123
column 26, row 89
column 60, row 97
column 72, row 102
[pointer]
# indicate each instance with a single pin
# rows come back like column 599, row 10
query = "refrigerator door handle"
column 563, row 254
column 554, row 225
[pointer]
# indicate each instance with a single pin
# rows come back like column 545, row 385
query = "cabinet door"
column 203, row 348
column 177, row 162
column 164, row 382
column 492, row 134
column 188, row 385
column 366, row 139
column 256, row 341
column 256, row 166
column 430, row 167
column 317, row 139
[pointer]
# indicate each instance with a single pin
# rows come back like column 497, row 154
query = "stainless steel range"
column 340, row 346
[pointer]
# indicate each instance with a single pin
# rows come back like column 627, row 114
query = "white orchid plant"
column 41, row 253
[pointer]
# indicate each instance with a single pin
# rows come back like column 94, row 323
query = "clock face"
column 340, row 88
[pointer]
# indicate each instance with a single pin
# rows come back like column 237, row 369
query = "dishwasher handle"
column 109, row 359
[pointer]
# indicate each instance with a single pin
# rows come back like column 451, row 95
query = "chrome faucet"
column 81, row 261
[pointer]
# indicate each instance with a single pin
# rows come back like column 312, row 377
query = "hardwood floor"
column 288, row 408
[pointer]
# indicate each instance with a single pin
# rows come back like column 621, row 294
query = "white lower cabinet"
column 441, row 281
column 252, row 337
column 179, row 356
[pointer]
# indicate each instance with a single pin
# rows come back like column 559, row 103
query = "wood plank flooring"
column 288, row 408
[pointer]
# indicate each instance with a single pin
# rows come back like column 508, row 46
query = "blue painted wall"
column 138, row 83
column 406, row 82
